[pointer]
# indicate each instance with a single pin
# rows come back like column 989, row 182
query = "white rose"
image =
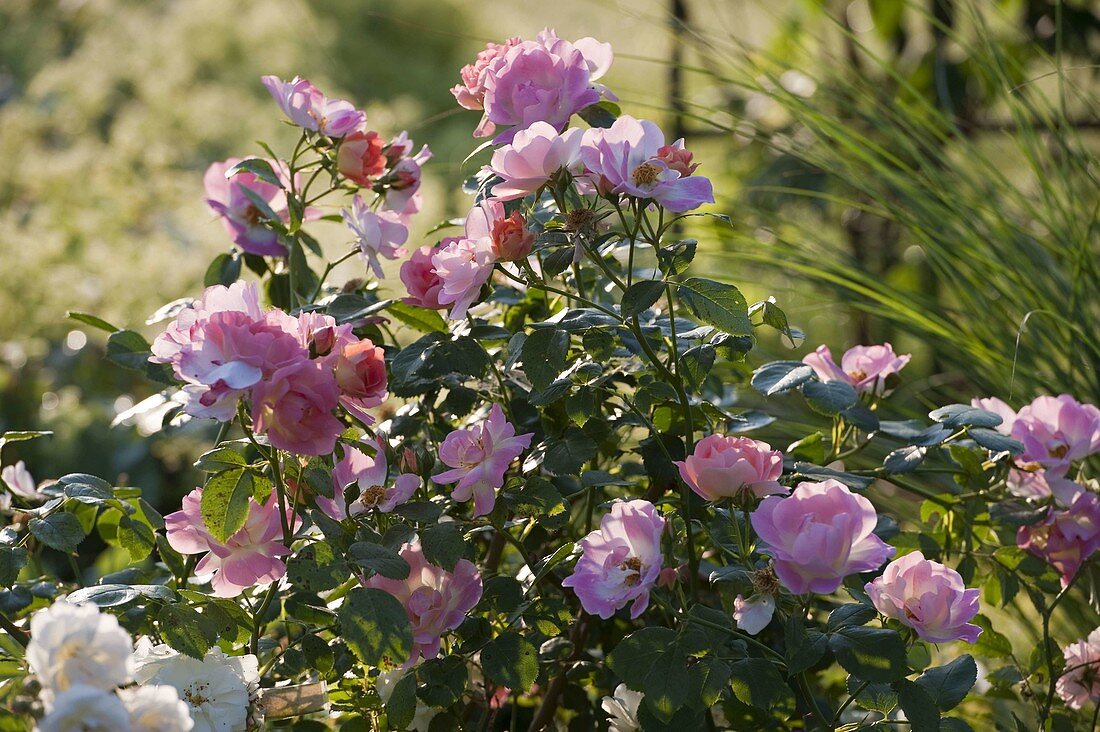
column 77, row 644
column 217, row 689
column 156, row 709
column 622, row 709
column 84, row 708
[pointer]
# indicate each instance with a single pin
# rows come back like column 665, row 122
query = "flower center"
column 195, row 695
column 633, row 565
column 372, row 496
column 645, row 174
column 1058, row 452
column 765, row 581
column 252, row 215
column 858, row 375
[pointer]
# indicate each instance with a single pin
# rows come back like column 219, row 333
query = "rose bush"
column 519, row 494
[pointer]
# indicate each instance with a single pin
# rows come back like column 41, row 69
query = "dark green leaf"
column 948, row 685
column 401, row 706
column 259, row 168
column 829, row 397
column 635, row 654
column 780, row 376
column 920, row 710
column 224, row 270
column 994, row 441
column 219, row 459
column 877, row 697
column 667, row 684
column 375, row 627
column 128, row 349
column 805, row 647
column 905, row 459
column 61, row 531
column 1017, row 513
column 543, row 353
column 600, row 114
column 316, row 568
column 379, row 559
column 224, row 504
column 641, row 296
column 136, row 537
column 92, row 320
column 182, row 628
column 872, row 654
column 421, row 319
column 12, row 559
column 443, row 544
column 443, row 680
column 850, row 615
column 717, row 304
column 954, row 416
column 756, row 682
column 510, row 661
column 674, row 259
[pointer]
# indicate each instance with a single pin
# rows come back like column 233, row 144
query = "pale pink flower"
column 819, row 535
column 870, row 369
column 377, row 234
column 360, row 158
column 463, row 267
column 420, row 279
column 402, row 182
column 1079, row 684
column 998, row 407
column 624, row 159
column 532, row 157
column 308, row 108
column 20, row 482
column 1065, row 539
column 722, row 467
column 479, row 457
column 620, row 561
column 928, row 597
column 1057, row 431
column 295, row 408
column 249, row 557
column 470, row 93
column 371, row 474
column 436, row 601
column 754, row 614
column 677, row 157
column 242, row 219
column 360, row 369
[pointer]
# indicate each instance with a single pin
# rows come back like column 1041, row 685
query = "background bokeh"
column 917, row 172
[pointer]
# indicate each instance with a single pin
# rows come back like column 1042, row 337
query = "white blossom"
column 83, row 708
column 622, row 709
column 218, row 689
column 754, row 614
column 156, row 708
column 20, row 482
column 77, row 644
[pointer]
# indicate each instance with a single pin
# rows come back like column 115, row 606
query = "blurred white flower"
column 156, row 709
column 77, row 644
column 622, row 709
column 84, row 708
column 20, row 482
column 218, row 689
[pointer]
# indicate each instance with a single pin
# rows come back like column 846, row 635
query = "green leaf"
column 991, row 642
column 756, row 682
column 634, row 655
column 375, row 627
column 510, row 661
column 878, row 697
column 183, row 629
column 111, row 595
column 920, row 710
column 92, row 320
column 717, row 304
column 379, row 559
column 667, row 684
column 695, row 364
column 948, row 685
column 130, row 350
column 12, row 560
column 418, row 318
column 600, row 114
column 225, row 269
column 905, row 459
column 401, row 706
column 568, row 454
column 850, row 615
column 259, row 168
column 543, row 354
column 61, row 531
column 675, row 258
column 641, row 296
column 804, row 647
column 954, row 416
column 872, row 654
column 502, row 594
column 780, row 376
column 994, row 441
column 443, row 679
column 316, row 568
column 219, row 459
column 136, row 537
column 224, row 503
column 86, row 488
column 829, row 398
column 443, row 544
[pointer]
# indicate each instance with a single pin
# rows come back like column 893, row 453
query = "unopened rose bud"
column 512, row 241
column 677, row 158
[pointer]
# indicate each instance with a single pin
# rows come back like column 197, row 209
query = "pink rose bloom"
column 360, row 370
column 242, row 219
column 403, row 181
column 377, row 234
column 249, row 557
column 625, row 159
column 371, row 474
column 866, row 368
column 294, row 408
column 928, row 597
column 470, row 94
column 819, row 535
column 1057, row 431
column 722, row 467
column 479, row 457
column 1065, row 539
column 754, row 614
column 308, row 108
column 677, row 157
column 463, row 267
column 421, row 282
column 621, row 561
column 512, row 241
column 1080, row 683
column 20, row 482
column 535, row 81
column 532, row 158
column 360, row 158
column 435, row 600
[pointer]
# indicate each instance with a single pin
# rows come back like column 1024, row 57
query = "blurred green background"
column 922, row 172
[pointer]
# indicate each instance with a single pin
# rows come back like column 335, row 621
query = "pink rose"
column 532, row 158
column 308, row 108
column 678, row 158
column 479, row 457
column 867, row 368
column 470, row 94
column 377, row 234
column 1065, row 539
column 360, row 370
column 402, row 183
column 928, row 597
column 819, row 535
column 512, row 241
column 1079, row 684
column 624, row 159
column 1057, row 431
column 371, row 475
column 621, row 561
column 463, row 266
column 242, row 219
column 249, row 557
column 436, row 601
column 723, row 467
column 421, row 282
column 294, row 408
column 360, row 159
